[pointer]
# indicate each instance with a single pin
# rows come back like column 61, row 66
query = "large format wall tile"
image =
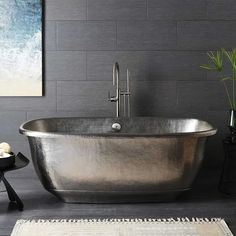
column 117, row 9
column 221, row 9
column 156, row 65
column 66, row 10
column 89, row 98
column 152, row 98
column 176, row 10
column 50, row 35
column 210, row 35
column 10, row 122
column 65, row 65
column 22, row 145
column 47, row 114
column 201, row 96
column 149, row 35
column 77, row 35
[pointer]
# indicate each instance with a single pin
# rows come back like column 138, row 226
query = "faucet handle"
column 111, row 98
column 128, row 81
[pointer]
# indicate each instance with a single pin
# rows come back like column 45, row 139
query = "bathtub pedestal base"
column 115, row 197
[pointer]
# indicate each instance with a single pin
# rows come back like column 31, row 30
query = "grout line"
column 177, row 33
column 116, row 36
column 26, row 115
column 56, row 35
column 206, row 6
column 56, row 96
column 147, row 20
column 133, row 50
column 86, row 10
column 177, row 94
column 146, row 80
column 86, row 66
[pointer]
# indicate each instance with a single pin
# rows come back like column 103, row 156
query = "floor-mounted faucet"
column 119, row 93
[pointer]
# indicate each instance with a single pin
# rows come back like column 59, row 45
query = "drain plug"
column 116, row 127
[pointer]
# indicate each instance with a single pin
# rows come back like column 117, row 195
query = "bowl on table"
column 8, row 161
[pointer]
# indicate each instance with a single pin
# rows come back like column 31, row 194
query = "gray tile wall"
column 162, row 42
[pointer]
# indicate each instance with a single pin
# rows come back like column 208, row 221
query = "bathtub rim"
column 30, row 133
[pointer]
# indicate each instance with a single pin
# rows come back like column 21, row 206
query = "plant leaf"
column 231, row 55
column 207, row 67
column 216, row 60
column 226, row 78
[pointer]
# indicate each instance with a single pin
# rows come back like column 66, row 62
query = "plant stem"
column 227, row 92
column 233, row 89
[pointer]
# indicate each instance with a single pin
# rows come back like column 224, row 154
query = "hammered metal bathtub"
column 148, row 160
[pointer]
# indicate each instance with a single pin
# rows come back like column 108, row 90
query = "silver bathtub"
column 85, row 160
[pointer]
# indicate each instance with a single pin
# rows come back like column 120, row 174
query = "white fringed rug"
column 122, row 227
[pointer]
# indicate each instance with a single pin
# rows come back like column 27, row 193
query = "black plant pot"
column 232, row 125
column 227, row 184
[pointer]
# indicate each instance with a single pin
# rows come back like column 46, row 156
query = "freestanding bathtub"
column 85, row 160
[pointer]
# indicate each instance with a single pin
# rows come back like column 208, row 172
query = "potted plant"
column 217, row 62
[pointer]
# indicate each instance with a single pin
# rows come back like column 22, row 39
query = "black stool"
column 20, row 162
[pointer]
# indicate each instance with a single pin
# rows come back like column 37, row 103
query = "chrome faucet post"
column 128, row 93
column 119, row 93
column 116, row 99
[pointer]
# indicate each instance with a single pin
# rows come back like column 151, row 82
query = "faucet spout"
column 116, row 98
column 116, row 72
column 119, row 93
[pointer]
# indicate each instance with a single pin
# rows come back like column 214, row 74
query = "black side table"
column 227, row 184
column 20, row 162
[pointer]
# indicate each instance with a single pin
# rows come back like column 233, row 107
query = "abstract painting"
column 21, row 48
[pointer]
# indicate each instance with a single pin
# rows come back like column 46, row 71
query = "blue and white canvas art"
column 20, row 48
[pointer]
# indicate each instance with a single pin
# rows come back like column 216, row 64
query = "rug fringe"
column 124, row 220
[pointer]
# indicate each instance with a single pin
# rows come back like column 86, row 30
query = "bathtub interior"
column 136, row 126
